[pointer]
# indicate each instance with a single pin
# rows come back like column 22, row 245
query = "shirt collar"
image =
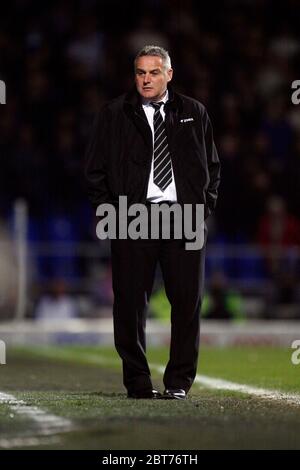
column 164, row 99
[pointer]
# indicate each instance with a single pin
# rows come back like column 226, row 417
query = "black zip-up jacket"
column 119, row 155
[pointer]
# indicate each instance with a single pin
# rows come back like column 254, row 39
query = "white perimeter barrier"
column 100, row 332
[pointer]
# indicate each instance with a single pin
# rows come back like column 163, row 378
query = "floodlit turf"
column 84, row 385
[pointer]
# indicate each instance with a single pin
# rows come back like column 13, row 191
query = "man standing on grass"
column 155, row 146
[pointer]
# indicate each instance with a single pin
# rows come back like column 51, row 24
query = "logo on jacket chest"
column 189, row 119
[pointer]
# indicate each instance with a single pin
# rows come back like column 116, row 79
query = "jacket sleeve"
column 96, row 157
column 214, row 167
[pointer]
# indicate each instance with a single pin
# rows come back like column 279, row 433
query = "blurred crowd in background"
column 63, row 59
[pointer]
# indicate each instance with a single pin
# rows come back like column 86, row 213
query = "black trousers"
column 133, row 271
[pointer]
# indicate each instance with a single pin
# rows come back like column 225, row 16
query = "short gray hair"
column 156, row 51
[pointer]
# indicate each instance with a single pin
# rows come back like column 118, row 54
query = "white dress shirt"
column 154, row 194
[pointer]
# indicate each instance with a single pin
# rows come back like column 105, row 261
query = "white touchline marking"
column 47, row 424
column 204, row 380
column 221, row 384
column 26, row 442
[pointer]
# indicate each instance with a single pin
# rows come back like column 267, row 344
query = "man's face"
column 151, row 77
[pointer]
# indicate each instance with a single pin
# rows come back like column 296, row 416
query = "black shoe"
column 146, row 394
column 174, row 394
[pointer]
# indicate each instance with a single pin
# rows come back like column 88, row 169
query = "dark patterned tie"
column 162, row 169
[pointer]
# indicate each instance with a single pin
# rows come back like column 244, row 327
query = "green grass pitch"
column 84, row 385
